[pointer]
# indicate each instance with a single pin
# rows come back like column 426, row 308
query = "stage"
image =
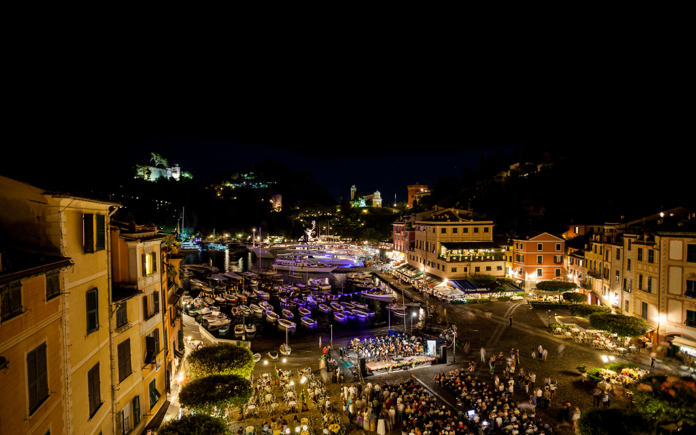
column 409, row 362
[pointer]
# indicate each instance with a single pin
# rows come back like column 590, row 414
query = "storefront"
column 685, row 345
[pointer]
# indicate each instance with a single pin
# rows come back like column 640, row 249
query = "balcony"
column 471, row 258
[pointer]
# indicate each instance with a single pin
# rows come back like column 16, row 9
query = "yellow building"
column 172, row 291
column 594, row 266
column 72, row 227
column 31, row 343
column 647, row 275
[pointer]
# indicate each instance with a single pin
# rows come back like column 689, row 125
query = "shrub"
column 583, row 310
column 547, row 305
column 458, row 302
column 521, row 294
column 625, row 326
column 482, row 300
column 215, row 392
column 552, row 286
column 609, row 421
column 593, row 375
column 669, row 400
column 195, row 424
column 506, row 280
column 500, row 289
column 577, row 298
column 558, row 325
column 220, row 359
column 617, row 367
column 504, row 298
column 482, row 280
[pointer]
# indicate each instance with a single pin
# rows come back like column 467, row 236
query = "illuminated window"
column 149, row 263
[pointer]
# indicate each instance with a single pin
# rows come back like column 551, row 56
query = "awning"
column 178, row 354
column 683, row 341
column 174, row 298
column 468, row 287
column 408, row 271
column 433, row 280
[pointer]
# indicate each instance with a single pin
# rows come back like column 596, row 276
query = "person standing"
column 545, row 353
column 652, row 363
column 532, row 379
column 510, row 320
column 576, row 417
column 517, row 355
column 483, row 354
column 606, row 399
column 533, row 353
column 596, row 397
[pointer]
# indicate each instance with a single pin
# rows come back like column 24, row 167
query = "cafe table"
column 621, row 349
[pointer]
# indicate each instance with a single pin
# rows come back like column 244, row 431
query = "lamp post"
column 660, row 318
column 412, row 316
column 253, row 239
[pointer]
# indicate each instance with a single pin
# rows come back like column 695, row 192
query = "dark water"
column 269, row 335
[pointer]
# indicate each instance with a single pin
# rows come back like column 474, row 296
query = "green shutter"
column 88, row 225
column 52, row 284
column 41, row 372
column 156, row 300
column 136, row 411
column 101, row 232
column 32, row 376
column 144, row 265
column 92, row 310
column 93, row 385
column 157, row 341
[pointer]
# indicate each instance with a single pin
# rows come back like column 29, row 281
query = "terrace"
column 471, row 251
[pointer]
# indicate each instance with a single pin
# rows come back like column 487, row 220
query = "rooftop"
column 16, row 264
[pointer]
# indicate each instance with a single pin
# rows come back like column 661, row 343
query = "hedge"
column 625, row 326
column 545, row 304
column 220, row 359
column 582, row 310
column 552, row 286
column 577, row 298
column 482, row 280
column 669, row 400
column 215, row 393
column 610, row 421
column 195, row 424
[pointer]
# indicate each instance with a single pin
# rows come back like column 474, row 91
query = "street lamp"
column 254, row 238
column 660, row 318
column 412, row 316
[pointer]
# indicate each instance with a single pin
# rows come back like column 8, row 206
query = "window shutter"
column 5, row 295
column 164, row 333
column 146, row 313
column 93, row 384
column 88, row 225
column 156, row 300
column 41, row 378
column 16, row 297
column 136, row 411
column 144, row 265
column 157, row 340
column 154, row 262
column 92, row 310
column 101, row 232
column 121, row 362
column 31, row 378
column 129, row 368
column 52, row 284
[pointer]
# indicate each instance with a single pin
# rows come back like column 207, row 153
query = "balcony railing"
column 471, row 258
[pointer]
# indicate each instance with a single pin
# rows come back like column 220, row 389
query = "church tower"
column 352, row 192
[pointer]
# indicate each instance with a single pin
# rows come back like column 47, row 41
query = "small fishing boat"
column 273, row 355
column 257, row 357
column 205, row 310
column 266, row 305
column 245, row 310
column 263, row 295
column 294, row 276
column 256, row 309
column 230, row 298
column 363, row 285
column 382, row 295
column 286, row 323
column 285, row 349
column 308, row 321
column 304, row 311
column 339, row 316
column 250, row 328
column 218, row 323
column 224, row 330
column 336, row 307
column 360, row 305
column 271, row 315
column 324, row 308
column 399, row 313
column 360, row 313
column 238, row 329
column 347, row 305
column 288, row 314
column 220, row 300
column 349, row 313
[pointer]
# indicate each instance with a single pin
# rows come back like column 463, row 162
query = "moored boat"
column 304, row 311
column 347, row 305
column 308, row 321
column 250, row 328
column 256, row 309
column 382, row 295
column 359, row 305
column 324, row 308
column 288, row 314
column 272, row 315
column 238, row 329
column 286, row 323
column 339, row 316
column 336, row 307
column 285, row 349
column 360, row 313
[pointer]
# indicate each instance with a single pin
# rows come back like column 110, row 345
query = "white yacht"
column 262, row 252
column 189, row 246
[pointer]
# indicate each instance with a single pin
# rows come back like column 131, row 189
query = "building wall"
column 675, row 271
column 529, row 264
column 647, row 270
column 628, row 284
column 41, row 322
column 412, row 189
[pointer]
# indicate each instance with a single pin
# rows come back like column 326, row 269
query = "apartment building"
column 628, row 306
column 74, row 227
column 645, row 297
column 32, row 360
column 171, row 319
column 449, row 245
column 538, row 257
column 677, row 286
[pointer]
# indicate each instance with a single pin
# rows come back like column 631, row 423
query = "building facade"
column 413, row 189
column 538, row 257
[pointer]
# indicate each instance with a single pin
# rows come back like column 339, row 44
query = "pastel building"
column 538, row 257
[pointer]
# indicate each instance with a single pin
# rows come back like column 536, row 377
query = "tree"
column 186, row 174
column 625, row 326
column 587, row 310
column 198, row 424
column 552, row 286
column 216, row 395
column 482, row 280
column 159, row 159
column 610, row 421
column 668, row 402
column 220, row 359
column 577, row 298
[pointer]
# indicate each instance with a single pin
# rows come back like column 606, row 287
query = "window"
column 640, row 254
column 540, row 259
column 690, row 289
column 540, row 246
column 626, row 307
column 617, row 277
column 93, row 386
column 606, row 256
column 644, row 310
column 649, row 282
column 640, row 282
column 691, row 253
column 618, row 254
column 485, row 229
column 136, row 411
column 595, row 248
column 499, row 268
column 629, row 246
column 11, row 295
column 651, row 256
column 152, row 346
column 539, row 272
column 476, row 229
column 465, row 230
column 52, row 284
column 601, row 249
column 454, row 230
column 37, row 378
column 558, row 246
column 454, row 269
column 624, row 285
column 124, row 360
column 149, row 264
column 558, row 259
column 477, row 269
column 577, row 230
column 466, row 269
column 146, row 311
column 628, row 264
column 690, row 318
column 122, row 315
column 521, row 245
column 92, row 310
column 154, row 394
column 94, row 232
column 558, row 273
column 488, row 268
column 156, row 301
column 443, row 230
column 517, row 246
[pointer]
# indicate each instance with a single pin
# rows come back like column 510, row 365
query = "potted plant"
column 582, row 368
